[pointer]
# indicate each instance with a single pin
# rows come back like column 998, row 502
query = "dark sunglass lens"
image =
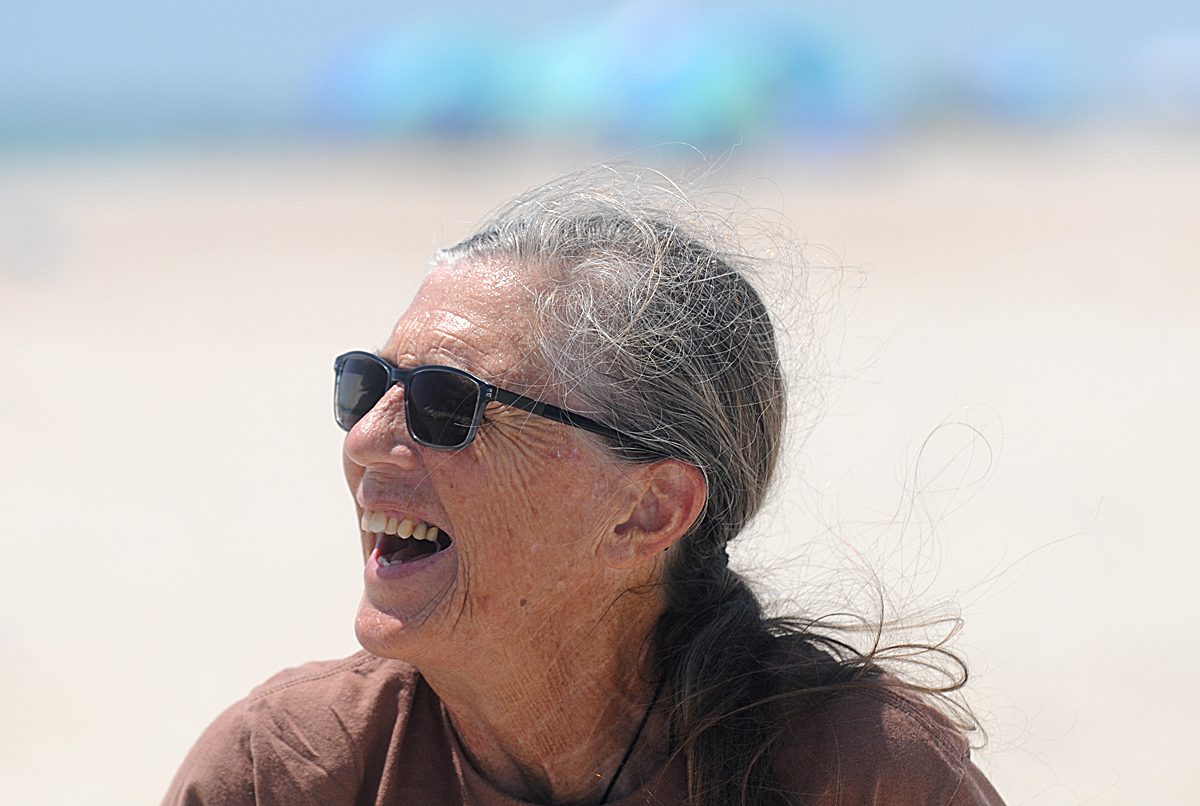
column 441, row 407
column 359, row 385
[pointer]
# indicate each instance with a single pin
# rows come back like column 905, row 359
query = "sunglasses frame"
column 488, row 393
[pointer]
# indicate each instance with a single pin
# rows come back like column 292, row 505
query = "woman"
column 580, row 409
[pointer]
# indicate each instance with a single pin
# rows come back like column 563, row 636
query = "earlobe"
column 668, row 498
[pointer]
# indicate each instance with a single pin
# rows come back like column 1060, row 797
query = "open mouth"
column 402, row 540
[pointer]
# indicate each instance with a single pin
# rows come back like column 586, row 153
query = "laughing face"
column 492, row 544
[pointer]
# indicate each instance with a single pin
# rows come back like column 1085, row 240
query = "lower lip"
column 402, row 570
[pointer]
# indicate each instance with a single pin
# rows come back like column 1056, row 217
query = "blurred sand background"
column 176, row 528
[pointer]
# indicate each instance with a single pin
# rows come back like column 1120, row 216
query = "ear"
column 667, row 498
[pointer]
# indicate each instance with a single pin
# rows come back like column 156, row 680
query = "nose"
column 381, row 436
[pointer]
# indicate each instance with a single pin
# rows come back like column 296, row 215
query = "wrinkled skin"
column 527, row 503
column 532, row 626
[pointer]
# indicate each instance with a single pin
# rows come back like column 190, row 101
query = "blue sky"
column 134, row 65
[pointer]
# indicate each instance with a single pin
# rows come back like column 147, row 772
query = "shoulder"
column 881, row 744
column 359, row 680
column 310, row 728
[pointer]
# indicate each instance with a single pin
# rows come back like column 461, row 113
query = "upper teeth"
column 401, row 527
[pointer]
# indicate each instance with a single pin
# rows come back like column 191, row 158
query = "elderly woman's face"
column 525, row 505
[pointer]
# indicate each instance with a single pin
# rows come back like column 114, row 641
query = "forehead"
column 475, row 314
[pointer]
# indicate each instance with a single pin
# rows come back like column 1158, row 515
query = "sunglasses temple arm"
column 553, row 412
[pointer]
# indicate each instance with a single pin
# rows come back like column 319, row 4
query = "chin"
column 387, row 635
column 380, row 634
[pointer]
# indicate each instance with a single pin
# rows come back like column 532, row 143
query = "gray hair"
column 651, row 326
column 654, row 331
column 650, row 330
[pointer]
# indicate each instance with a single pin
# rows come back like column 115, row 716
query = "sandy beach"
column 1010, row 421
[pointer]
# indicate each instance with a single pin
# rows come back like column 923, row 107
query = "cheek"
column 556, row 512
column 532, row 507
column 568, row 452
column 511, row 477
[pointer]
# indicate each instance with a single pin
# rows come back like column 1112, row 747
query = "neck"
column 551, row 720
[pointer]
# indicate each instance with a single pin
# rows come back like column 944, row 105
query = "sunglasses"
column 442, row 405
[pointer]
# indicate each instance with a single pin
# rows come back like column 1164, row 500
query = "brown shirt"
column 366, row 731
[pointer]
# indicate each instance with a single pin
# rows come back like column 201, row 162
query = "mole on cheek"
column 522, row 602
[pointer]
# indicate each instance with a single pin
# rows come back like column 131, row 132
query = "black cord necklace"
column 629, row 750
